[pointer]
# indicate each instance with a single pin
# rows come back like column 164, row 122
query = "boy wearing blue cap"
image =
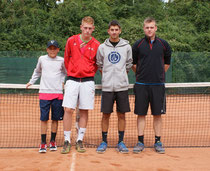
column 52, row 71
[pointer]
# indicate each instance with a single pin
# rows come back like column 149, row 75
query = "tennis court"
column 175, row 159
column 186, row 124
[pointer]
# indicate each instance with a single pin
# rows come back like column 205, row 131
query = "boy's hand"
column 27, row 85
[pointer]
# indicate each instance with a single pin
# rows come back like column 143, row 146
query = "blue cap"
column 52, row 43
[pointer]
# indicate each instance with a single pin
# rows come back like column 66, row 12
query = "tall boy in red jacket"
column 80, row 63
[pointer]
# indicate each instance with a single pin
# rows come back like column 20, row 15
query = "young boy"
column 52, row 71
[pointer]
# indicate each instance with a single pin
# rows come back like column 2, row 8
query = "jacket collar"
column 148, row 40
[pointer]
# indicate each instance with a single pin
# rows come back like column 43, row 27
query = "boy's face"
column 52, row 51
column 114, row 33
column 87, row 29
column 150, row 29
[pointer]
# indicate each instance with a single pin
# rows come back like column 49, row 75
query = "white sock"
column 67, row 135
column 81, row 134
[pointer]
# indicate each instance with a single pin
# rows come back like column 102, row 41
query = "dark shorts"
column 108, row 99
column 149, row 94
column 57, row 110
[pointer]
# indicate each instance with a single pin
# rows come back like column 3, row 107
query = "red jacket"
column 78, row 65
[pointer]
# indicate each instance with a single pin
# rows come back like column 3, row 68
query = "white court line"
column 73, row 162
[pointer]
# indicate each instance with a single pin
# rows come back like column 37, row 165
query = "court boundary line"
column 72, row 168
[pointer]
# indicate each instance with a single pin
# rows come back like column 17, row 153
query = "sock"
column 81, row 134
column 43, row 137
column 121, row 136
column 67, row 135
column 141, row 139
column 157, row 139
column 104, row 136
column 53, row 135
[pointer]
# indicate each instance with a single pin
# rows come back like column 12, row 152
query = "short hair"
column 88, row 20
column 114, row 23
column 149, row 20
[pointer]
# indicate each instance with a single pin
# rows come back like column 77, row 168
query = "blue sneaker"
column 102, row 147
column 122, row 148
column 159, row 147
column 138, row 148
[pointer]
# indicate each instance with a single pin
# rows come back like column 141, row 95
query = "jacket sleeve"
column 135, row 52
column 37, row 72
column 129, row 61
column 99, row 58
column 67, row 54
column 167, row 53
column 63, row 72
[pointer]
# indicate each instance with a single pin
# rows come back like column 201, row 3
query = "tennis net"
column 186, row 123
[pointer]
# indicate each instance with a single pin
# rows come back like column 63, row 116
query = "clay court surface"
column 175, row 159
column 187, row 123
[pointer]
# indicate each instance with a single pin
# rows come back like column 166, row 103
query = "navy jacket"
column 150, row 60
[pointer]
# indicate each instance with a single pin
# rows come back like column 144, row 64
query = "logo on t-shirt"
column 114, row 57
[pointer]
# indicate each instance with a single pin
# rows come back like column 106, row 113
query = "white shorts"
column 82, row 93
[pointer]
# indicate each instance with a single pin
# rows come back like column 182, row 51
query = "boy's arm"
column 63, row 74
column 36, row 74
column 129, row 61
column 134, row 68
column 167, row 56
column 135, row 55
column 67, row 54
column 167, row 53
column 99, row 59
column 27, row 85
column 166, row 67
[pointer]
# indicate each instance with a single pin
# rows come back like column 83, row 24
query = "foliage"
column 191, row 67
column 29, row 24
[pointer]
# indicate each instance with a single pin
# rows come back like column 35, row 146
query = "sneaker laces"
column 102, row 145
column 159, row 143
column 52, row 143
column 122, row 145
column 43, row 146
